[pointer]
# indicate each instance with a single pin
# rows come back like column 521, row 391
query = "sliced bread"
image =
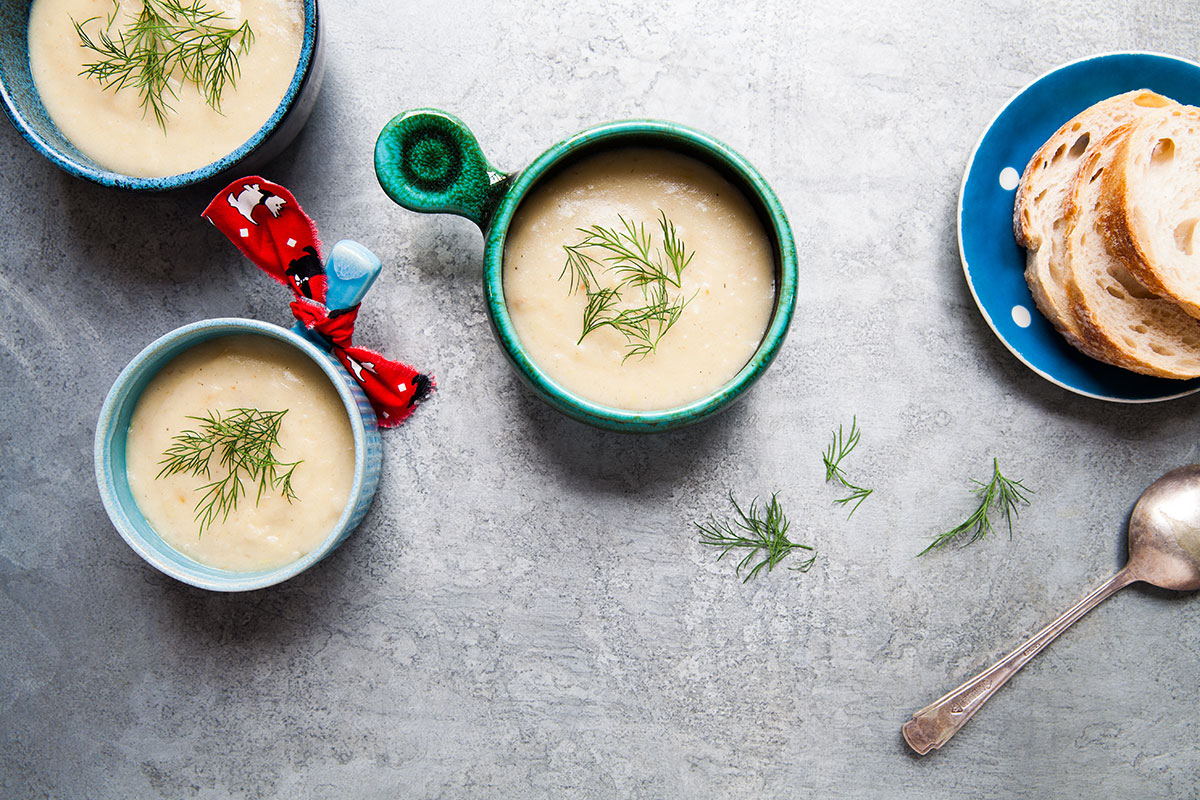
column 1152, row 205
column 1119, row 321
column 1042, row 194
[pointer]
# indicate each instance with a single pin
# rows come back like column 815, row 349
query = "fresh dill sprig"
column 756, row 533
column 999, row 493
column 643, row 327
column 841, row 446
column 243, row 441
column 629, row 256
column 167, row 38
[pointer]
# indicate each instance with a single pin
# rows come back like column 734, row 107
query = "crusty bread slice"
column 1119, row 321
column 1042, row 193
column 1152, row 205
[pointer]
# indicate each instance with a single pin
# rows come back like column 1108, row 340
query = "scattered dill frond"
column 168, row 38
column 243, row 441
column 841, row 446
column 1000, row 493
column 628, row 256
column 759, row 533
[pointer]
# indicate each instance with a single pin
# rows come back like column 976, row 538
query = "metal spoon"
column 1164, row 550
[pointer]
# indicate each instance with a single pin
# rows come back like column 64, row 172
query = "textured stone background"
column 526, row 611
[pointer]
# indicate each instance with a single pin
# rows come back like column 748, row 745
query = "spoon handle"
column 932, row 726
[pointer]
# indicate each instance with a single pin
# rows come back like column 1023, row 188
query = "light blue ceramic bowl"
column 993, row 262
column 24, row 108
column 113, row 427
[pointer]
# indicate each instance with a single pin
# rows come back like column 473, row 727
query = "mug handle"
column 427, row 160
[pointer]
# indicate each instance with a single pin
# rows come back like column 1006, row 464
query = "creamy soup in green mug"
column 727, row 288
column 722, row 317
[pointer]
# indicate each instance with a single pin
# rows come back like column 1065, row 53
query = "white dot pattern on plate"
column 1020, row 315
column 1009, row 178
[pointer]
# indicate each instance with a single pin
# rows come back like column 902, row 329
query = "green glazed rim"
column 493, row 197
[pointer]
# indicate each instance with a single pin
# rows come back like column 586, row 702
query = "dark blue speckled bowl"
column 26, row 112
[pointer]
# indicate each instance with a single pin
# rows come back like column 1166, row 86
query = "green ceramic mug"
column 428, row 161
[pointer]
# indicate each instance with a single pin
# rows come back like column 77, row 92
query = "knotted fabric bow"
column 267, row 224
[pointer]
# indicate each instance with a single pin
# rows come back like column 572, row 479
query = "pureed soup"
column 704, row 322
column 111, row 126
column 242, row 382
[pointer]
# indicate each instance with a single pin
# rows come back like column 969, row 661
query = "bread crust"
column 1043, row 191
column 1126, row 240
column 1103, row 326
column 1089, row 338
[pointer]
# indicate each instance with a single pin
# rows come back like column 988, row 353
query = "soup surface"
column 110, row 127
column 232, row 372
column 729, row 284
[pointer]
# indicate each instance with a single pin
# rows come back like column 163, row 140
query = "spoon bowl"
column 1164, row 551
column 1164, row 532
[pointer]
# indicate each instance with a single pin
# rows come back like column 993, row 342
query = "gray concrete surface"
column 526, row 611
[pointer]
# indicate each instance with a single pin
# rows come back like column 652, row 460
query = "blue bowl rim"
column 748, row 180
column 109, row 178
column 152, row 359
column 962, row 253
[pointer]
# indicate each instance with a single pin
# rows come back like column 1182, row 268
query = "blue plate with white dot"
column 993, row 261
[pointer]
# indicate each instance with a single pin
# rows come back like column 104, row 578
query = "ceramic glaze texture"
column 429, row 161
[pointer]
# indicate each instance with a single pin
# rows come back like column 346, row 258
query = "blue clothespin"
column 350, row 270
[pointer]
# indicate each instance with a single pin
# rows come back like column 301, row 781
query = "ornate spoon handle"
column 933, row 725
